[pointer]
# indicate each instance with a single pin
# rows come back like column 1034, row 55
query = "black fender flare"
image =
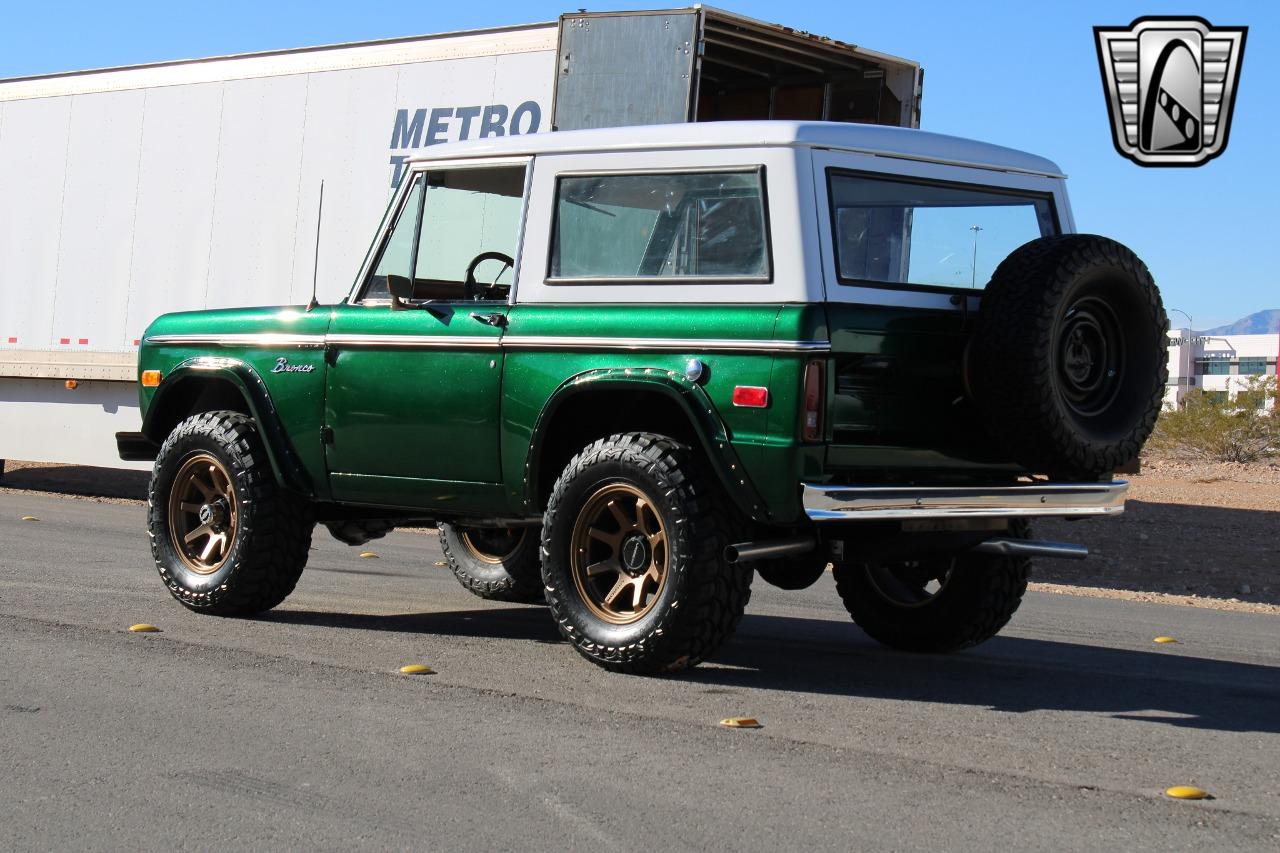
column 692, row 400
column 288, row 470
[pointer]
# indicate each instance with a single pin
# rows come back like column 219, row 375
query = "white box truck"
column 126, row 193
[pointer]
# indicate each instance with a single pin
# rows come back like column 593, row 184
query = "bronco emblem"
column 283, row 366
column 1170, row 86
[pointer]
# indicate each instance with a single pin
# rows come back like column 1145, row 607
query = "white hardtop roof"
column 878, row 140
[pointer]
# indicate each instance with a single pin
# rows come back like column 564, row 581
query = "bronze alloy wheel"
column 202, row 514
column 493, row 545
column 911, row 584
column 619, row 553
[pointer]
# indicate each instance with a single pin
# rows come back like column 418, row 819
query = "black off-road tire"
column 511, row 576
column 269, row 549
column 703, row 598
column 1072, row 411
column 977, row 601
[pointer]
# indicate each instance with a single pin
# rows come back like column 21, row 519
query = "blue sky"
column 1014, row 73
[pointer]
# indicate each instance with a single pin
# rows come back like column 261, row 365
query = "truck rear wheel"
column 937, row 604
column 499, row 564
column 633, row 543
column 225, row 537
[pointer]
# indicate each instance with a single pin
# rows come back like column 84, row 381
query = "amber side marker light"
column 150, row 378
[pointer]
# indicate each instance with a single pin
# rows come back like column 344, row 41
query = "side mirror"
column 400, row 286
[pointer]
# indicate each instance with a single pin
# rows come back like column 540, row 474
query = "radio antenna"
column 315, row 264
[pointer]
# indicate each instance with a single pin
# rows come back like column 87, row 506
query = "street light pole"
column 973, row 276
column 1190, row 361
column 1191, row 323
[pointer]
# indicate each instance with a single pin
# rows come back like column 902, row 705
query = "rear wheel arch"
column 195, row 387
column 604, row 402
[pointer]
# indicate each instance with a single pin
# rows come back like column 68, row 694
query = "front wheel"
column 225, row 537
column 499, row 564
column 935, row 604
column 633, row 542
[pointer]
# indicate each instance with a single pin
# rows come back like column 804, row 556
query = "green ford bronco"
column 626, row 370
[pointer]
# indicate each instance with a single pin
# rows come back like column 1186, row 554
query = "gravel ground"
column 1198, row 534
column 1204, row 532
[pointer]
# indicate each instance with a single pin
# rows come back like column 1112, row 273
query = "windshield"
column 905, row 232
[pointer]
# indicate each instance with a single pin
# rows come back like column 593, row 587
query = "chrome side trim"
column 852, row 503
column 543, row 342
column 452, row 342
column 267, row 340
column 516, row 342
column 261, row 339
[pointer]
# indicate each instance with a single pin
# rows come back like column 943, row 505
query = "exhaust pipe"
column 744, row 552
column 1008, row 547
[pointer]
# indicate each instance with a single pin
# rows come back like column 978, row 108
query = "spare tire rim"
column 493, row 545
column 911, row 584
column 619, row 554
column 1090, row 356
column 203, row 514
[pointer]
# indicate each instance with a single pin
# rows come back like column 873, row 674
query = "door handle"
column 495, row 319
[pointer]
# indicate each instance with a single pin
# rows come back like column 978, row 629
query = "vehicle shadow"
column 1009, row 674
column 502, row 622
column 75, row 480
column 829, row 657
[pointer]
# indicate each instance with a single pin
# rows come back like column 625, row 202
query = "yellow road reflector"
column 741, row 723
column 441, row 563
column 417, row 669
column 367, row 555
column 1164, row 640
column 29, row 518
column 1187, row 792
column 143, row 628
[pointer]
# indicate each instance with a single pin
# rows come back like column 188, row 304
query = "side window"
column 918, row 233
column 660, row 226
column 467, row 224
column 397, row 253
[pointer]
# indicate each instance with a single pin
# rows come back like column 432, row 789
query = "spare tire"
column 1069, row 358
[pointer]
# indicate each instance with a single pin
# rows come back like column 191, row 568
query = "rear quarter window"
column 907, row 232
column 660, row 226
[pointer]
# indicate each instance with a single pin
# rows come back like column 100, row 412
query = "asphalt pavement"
column 296, row 729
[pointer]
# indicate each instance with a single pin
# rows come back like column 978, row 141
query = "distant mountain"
column 1260, row 323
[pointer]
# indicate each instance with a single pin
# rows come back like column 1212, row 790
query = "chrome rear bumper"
column 1061, row 500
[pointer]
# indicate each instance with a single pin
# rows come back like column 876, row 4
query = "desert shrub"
column 1242, row 429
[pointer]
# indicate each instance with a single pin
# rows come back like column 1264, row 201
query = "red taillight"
column 811, row 411
column 751, row 396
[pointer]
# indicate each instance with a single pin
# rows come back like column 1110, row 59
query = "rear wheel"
column 935, row 604
column 633, row 544
column 499, row 563
column 225, row 537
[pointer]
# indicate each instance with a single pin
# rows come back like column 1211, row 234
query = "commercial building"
column 1221, row 365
